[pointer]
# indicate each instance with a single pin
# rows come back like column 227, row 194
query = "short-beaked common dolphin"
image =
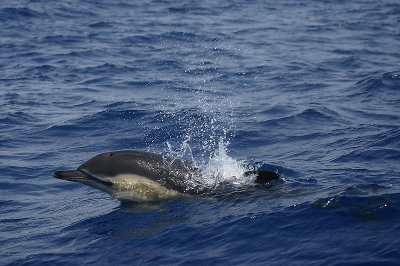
column 141, row 176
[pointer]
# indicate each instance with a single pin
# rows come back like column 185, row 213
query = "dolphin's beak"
column 78, row 176
column 71, row 175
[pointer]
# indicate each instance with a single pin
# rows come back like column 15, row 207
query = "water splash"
column 223, row 169
column 199, row 127
column 184, row 152
column 220, row 170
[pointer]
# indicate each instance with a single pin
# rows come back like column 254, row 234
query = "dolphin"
column 140, row 176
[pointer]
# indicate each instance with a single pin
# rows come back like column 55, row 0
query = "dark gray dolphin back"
column 169, row 172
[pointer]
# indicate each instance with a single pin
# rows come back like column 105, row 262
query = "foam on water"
column 223, row 169
column 219, row 170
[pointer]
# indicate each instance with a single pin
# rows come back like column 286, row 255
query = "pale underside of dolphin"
column 140, row 176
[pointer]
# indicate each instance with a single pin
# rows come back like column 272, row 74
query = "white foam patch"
column 223, row 169
column 220, row 169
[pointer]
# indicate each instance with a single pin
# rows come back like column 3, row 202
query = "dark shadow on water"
column 131, row 220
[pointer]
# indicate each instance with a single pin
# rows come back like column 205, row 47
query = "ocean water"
column 310, row 89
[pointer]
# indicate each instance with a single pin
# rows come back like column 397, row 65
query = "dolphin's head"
column 105, row 167
column 111, row 164
column 126, row 175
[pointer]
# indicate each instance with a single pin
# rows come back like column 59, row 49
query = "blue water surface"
column 308, row 88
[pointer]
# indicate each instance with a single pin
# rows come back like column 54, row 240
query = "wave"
column 311, row 117
column 381, row 146
column 385, row 85
column 18, row 118
column 104, row 118
column 19, row 14
column 368, row 155
column 365, row 202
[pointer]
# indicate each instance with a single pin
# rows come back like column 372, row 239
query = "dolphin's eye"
column 110, row 154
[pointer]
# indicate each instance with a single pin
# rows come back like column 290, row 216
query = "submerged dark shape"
column 143, row 176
